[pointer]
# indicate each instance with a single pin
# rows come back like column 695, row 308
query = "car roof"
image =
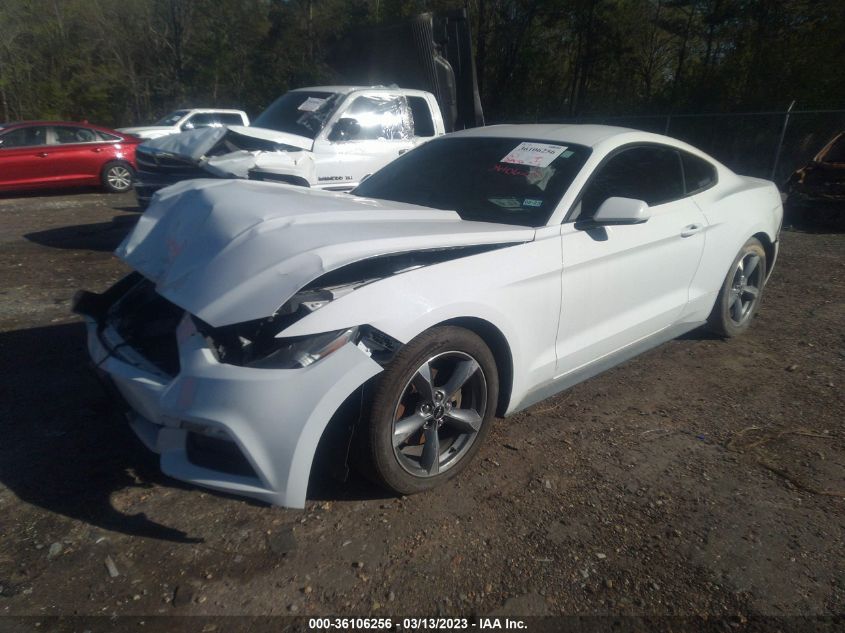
column 9, row 126
column 209, row 110
column 348, row 89
column 588, row 135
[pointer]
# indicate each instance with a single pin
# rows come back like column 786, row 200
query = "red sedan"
column 51, row 154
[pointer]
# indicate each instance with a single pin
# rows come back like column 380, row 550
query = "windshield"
column 172, row 118
column 505, row 180
column 303, row 112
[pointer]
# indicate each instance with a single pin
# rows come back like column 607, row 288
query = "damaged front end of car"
column 218, row 420
column 243, row 408
column 233, row 152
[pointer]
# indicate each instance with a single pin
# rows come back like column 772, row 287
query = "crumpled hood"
column 233, row 251
column 195, row 144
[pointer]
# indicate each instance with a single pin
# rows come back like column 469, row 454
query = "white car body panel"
column 623, row 277
column 567, row 302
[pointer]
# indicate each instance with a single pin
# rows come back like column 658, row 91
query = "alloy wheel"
column 745, row 288
column 439, row 414
column 119, row 178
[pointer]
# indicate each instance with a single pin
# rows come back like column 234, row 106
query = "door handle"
column 42, row 154
column 97, row 150
column 690, row 230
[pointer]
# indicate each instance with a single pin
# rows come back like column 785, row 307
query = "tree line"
column 119, row 62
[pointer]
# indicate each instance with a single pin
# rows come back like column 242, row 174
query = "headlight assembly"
column 296, row 353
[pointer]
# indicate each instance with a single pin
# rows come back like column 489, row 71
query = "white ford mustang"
column 474, row 276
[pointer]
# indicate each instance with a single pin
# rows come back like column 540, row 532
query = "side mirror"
column 622, row 211
column 345, row 130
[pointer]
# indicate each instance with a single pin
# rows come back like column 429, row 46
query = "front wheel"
column 739, row 298
column 117, row 177
column 431, row 411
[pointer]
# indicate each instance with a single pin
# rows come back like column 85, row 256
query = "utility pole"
column 780, row 141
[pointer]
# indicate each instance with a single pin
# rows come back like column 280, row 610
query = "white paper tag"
column 534, row 154
column 311, row 104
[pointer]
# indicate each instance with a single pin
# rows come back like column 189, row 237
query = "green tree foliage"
column 119, row 62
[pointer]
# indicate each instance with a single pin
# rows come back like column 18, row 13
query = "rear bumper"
column 273, row 419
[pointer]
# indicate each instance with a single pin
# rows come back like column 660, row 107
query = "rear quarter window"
column 698, row 173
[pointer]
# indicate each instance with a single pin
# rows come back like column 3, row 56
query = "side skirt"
column 572, row 378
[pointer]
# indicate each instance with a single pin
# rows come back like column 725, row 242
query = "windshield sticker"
column 567, row 154
column 534, row 154
column 532, row 202
column 311, row 104
column 506, row 203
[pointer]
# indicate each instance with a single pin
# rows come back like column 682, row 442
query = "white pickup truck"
column 328, row 137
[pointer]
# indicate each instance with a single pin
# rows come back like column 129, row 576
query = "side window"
column 108, row 138
column 423, row 123
column 698, row 173
column 200, row 119
column 374, row 118
column 24, row 137
column 229, row 118
column 652, row 174
column 66, row 134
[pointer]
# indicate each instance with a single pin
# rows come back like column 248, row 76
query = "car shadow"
column 49, row 193
column 65, row 449
column 101, row 236
column 815, row 218
column 323, row 487
column 701, row 333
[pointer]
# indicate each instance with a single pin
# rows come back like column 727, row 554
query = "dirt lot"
column 705, row 477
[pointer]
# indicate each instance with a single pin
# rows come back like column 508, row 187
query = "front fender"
column 515, row 289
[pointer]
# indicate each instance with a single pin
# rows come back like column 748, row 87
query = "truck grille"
column 147, row 323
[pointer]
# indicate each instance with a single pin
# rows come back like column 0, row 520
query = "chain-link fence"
column 765, row 144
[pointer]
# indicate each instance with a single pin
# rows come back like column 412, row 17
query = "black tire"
column 117, row 177
column 451, row 351
column 736, row 305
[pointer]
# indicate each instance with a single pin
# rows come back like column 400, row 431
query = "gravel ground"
column 705, row 477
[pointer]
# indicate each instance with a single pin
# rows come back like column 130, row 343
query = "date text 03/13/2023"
column 416, row 624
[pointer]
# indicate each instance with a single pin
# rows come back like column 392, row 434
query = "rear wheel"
column 739, row 298
column 431, row 411
column 117, row 177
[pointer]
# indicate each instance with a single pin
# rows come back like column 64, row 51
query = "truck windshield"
column 172, row 118
column 504, row 180
column 302, row 112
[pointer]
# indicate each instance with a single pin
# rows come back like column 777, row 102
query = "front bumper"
column 273, row 418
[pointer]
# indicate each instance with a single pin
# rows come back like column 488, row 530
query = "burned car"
column 818, row 188
column 327, row 137
column 471, row 277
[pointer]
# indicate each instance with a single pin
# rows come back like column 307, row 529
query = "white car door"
column 369, row 131
column 623, row 283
